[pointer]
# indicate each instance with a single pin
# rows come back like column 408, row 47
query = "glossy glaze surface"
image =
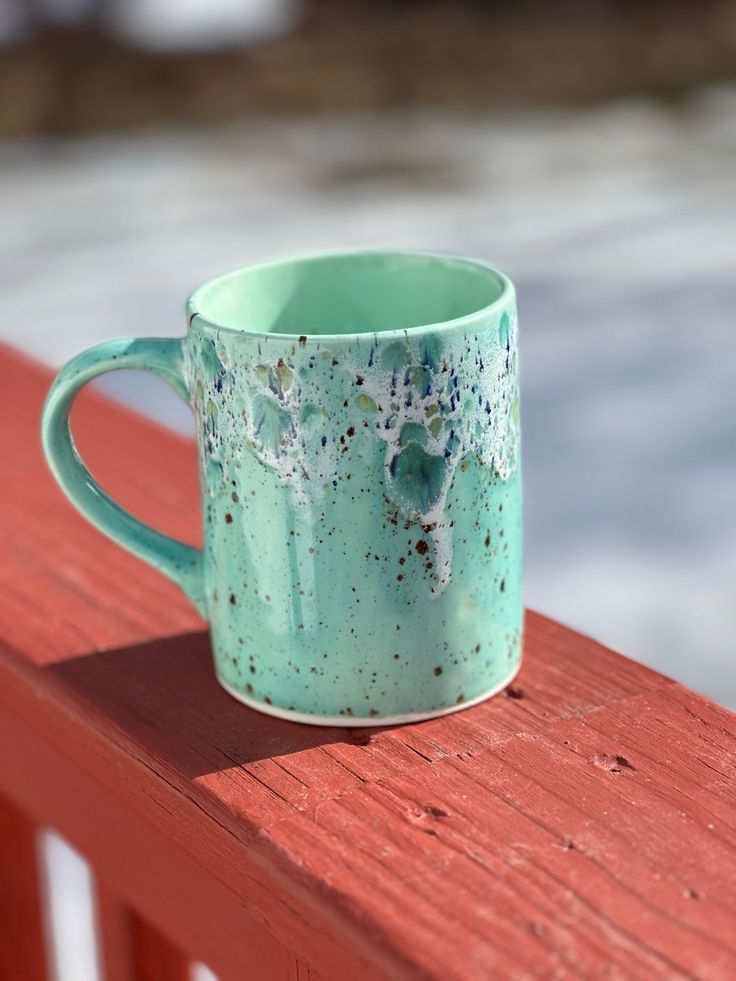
column 361, row 498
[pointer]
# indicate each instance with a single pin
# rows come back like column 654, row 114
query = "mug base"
column 352, row 722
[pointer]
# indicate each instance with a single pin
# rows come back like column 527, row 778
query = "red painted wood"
column 155, row 957
column 22, row 946
column 51, row 548
column 186, row 874
column 131, row 949
column 582, row 825
column 299, row 971
column 114, row 936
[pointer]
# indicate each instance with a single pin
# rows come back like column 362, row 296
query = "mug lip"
column 505, row 297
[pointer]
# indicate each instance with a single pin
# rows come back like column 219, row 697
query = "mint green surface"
column 358, row 440
column 179, row 562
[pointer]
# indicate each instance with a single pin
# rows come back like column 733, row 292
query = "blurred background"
column 587, row 147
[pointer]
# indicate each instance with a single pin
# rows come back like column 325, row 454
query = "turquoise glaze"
column 358, row 440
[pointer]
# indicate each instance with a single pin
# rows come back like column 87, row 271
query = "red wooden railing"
column 581, row 825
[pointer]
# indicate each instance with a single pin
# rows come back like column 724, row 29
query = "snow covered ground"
column 618, row 225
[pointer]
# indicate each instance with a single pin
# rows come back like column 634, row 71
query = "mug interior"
column 348, row 293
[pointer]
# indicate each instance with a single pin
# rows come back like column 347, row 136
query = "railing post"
column 155, row 957
column 133, row 950
column 22, row 942
column 113, row 936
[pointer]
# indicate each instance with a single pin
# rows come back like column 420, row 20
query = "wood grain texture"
column 22, row 944
column 580, row 825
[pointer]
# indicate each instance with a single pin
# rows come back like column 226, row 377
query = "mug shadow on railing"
column 164, row 696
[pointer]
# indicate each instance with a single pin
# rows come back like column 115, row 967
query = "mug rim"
column 505, row 297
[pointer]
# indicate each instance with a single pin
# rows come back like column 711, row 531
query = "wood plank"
column 131, row 948
column 161, row 853
column 22, row 943
column 113, row 933
column 155, row 957
column 580, row 825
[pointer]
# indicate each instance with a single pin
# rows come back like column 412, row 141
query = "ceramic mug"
column 357, row 421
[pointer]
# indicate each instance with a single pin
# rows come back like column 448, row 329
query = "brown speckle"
column 691, row 894
column 232, row 599
column 613, row 762
column 513, row 691
column 235, row 497
column 488, row 539
column 422, row 547
column 435, row 811
column 302, row 340
column 267, row 700
column 400, row 576
column 477, row 648
column 502, row 587
column 358, row 379
column 228, row 519
column 351, row 431
column 267, row 597
column 438, row 670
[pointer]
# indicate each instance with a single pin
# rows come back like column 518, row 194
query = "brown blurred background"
column 82, row 66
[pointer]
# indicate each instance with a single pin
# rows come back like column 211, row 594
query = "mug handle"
column 182, row 563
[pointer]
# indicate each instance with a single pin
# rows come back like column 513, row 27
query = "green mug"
column 357, row 420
